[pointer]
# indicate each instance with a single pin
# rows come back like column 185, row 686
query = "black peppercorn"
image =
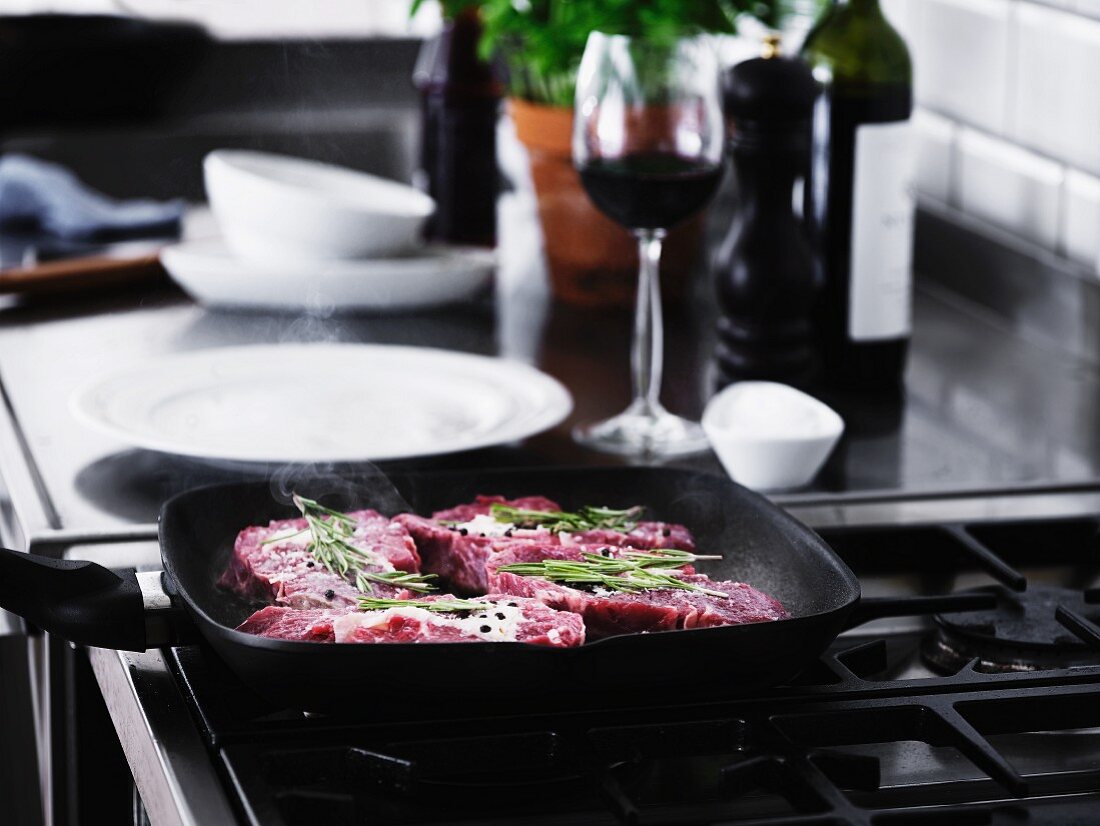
column 667, row 531
column 500, row 615
column 309, row 564
column 329, row 594
column 485, row 629
column 463, row 531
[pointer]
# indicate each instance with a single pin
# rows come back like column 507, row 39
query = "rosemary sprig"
column 331, row 537
column 420, row 583
column 283, row 537
column 442, row 606
column 631, row 572
column 587, row 518
column 331, row 533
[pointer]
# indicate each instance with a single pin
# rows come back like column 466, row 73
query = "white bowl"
column 277, row 208
column 770, row 436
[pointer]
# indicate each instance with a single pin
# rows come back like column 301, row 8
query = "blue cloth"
column 55, row 201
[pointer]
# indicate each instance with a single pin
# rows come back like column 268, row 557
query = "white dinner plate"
column 322, row 403
column 431, row 276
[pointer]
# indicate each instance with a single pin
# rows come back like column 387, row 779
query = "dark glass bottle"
column 859, row 199
column 460, row 99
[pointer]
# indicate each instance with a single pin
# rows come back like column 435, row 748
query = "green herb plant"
column 541, row 41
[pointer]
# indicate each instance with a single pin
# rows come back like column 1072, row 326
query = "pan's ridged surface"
column 761, row 545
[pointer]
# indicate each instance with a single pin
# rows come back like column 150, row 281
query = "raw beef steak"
column 273, row 563
column 504, row 619
column 282, row 623
column 483, row 506
column 608, row 612
column 645, row 536
column 458, row 553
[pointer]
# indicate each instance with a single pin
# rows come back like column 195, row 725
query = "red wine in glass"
column 650, row 190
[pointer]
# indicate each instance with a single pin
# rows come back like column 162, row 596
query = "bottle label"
column 880, row 300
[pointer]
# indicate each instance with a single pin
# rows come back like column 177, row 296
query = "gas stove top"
column 989, row 715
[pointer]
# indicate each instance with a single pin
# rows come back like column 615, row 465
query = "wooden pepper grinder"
column 765, row 268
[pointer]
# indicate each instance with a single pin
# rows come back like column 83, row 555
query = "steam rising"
column 341, row 487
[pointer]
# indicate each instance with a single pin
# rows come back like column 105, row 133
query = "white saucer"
column 431, row 276
column 322, row 403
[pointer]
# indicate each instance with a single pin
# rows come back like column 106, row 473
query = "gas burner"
column 1032, row 630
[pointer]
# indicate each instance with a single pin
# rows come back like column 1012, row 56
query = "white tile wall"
column 1009, row 186
column 1057, row 95
column 1089, row 7
column 961, row 57
column 1008, row 118
column 935, row 155
column 1080, row 237
column 902, row 15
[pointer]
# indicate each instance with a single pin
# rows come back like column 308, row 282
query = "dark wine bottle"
column 859, row 198
column 460, row 100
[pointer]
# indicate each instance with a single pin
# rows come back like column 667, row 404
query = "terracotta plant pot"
column 592, row 260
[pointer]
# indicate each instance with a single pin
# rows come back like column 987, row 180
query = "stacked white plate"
column 301, row 235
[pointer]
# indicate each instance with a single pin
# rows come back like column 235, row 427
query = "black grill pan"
column 760, row 545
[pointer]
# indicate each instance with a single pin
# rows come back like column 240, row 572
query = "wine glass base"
column 648, row 434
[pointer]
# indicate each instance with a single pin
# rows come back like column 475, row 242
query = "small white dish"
column 771, row 436
column 321, row 403
column 278, row 208
column 431, row 276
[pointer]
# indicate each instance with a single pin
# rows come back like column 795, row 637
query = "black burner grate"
column 856, row 739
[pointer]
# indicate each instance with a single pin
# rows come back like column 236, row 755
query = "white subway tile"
column 962, row 60
column 935, row 151
column 1009, row 186
column 1081, row 217
column 1057, row 96
column 902, row 16
column 1089, row 7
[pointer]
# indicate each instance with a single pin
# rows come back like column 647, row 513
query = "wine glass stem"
column 648, row 350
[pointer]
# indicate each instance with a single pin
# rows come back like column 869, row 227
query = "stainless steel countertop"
column 984, row 409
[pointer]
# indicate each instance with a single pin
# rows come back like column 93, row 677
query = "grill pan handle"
column 872, row 608
column 79, row 601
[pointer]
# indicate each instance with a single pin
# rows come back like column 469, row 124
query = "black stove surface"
column 872, row 734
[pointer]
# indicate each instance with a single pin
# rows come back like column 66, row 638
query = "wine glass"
column 647, row 142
